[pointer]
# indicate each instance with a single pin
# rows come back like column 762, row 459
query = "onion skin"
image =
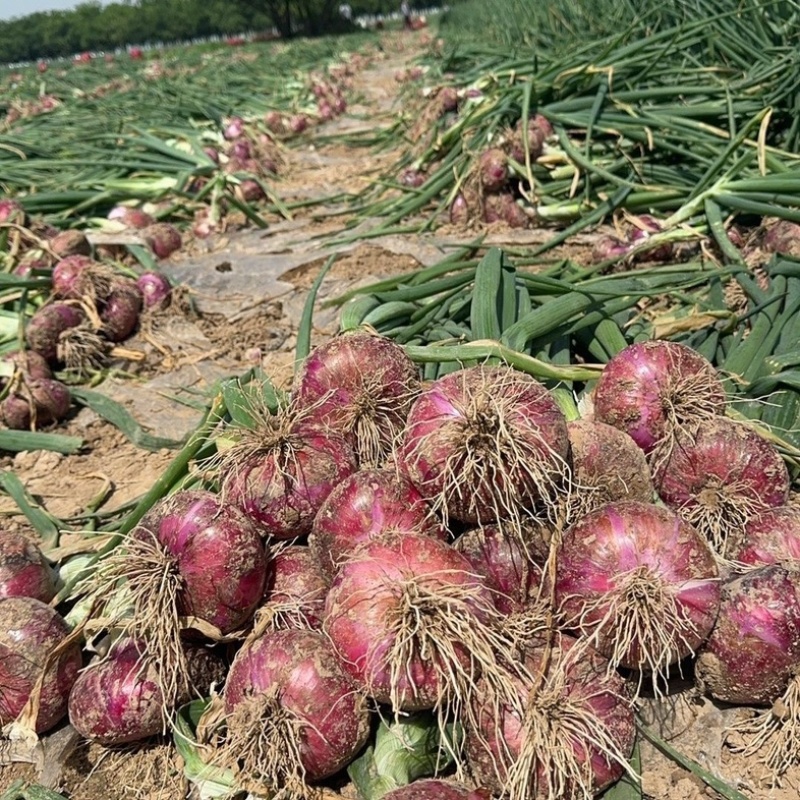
column 218, row 553
column 644, row 379
column 131, row 217
column 155, row 289
column 29, row 632
column 119, row 699
column 770, row 538
column 358, row 379
column 24, row 571
column 602, row 549
column 364, row 506
column 120, row 312
column 473, row 437
column 303, row 670
column 164, row 239
column 47, row 324
column 721, row 463
column 361, row 611
column 297, row 586
column 493, row 169
column 45, row 400
column 69, row 243
column 282, row 487
column 754, row 649
column 576, row 680
column 69, row 276
column 435, row 789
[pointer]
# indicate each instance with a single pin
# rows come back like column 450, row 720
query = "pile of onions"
column 362, row 385
column 24, row 571
column 34, row 647
column 485, row 444
column 293, row 715
column 639, row 584
column 34, row 397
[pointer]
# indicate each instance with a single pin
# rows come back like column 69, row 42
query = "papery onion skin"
column 304, row 672
column 367, row 504
column 770, row 538
column 754, row 648
column 43, row 401
column 436, row 789
column 645, row 379
column 47, row 324
column 24, row 571
column 283, row 486
column 29, row 632
column 602, row 550
column 585, row 684
column 723, row 462
column 484, row 443
column 68, row 276
column 119, row 699
column 363, row 601
column 218, row 552
column 120, row 312
column 298, row 583
column 155, row 289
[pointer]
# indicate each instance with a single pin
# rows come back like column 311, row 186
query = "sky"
column 19, row 8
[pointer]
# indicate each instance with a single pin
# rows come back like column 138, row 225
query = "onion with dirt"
column 48, row 324
column 34, row 643
column 293, row 715
column 436, row 789
column 639, row 584
column 155, row 288
column 24, row 571
column 567, row 733
column 365, row 505
column 486, row 443
column 361, row 385
column 720, row 476
column 654, row 390
column 770, row 538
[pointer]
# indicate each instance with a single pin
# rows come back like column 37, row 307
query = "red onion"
column 539, row 130
column 493, row 169
column 68, row 243
column 296, row 589
column 24, row 571
column 412, row 177
column 192, row 555
column 720, row 477
column 298, row 123
column 643, row 226
column 368, row 504
column 120, row 311
column 281, row 477
column 504, row 208
column 412, row 622
column 234, row 128
column 447, row 99
column 754, row 649
column 639, row 583
column 459, row 210
column 30, row 633
column 609, row 247
column 70, row 276
column 164, row 239
column 652, row 390
column 294, row 716
column 568, row 733
column 435, row 789
column 782, row 237
column 607, row 465
column 119, row 699
column 11, row 211
column 361, row 385
column 36, row 402
column 770, row 538
column 46, row 326
column 134, row 218
column 486, row 443
column 240, row 148
column 155, row 289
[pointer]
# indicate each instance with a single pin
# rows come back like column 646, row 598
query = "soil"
column 248, row 287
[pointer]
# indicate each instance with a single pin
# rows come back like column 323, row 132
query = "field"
column 539, row 189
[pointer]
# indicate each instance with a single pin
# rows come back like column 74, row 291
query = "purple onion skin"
column 641, row 381
column 24, row 571
column 30, row 364
column 283, row 494
column 69, row 243
column 119, row 699
column 783, row 237
column 155, row 288
column 47, row 324
column 586, row 683
column 50, row 399
column 120, row 312
column 723, row 453
column 29, row 632
column 131, row 217
column 11, row 211
column 297, row 579
column 754, row 649
column 600, row 550
column 218, row 552
column 770, row 538
column 501, row 559
column 459, row 210
column 435, row 789
column 164, row 239
column 311, row 683
column 366, row 505
column 361, row 610
column 493, row 169
column 67, row 274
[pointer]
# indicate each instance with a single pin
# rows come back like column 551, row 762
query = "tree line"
column 93, row 27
